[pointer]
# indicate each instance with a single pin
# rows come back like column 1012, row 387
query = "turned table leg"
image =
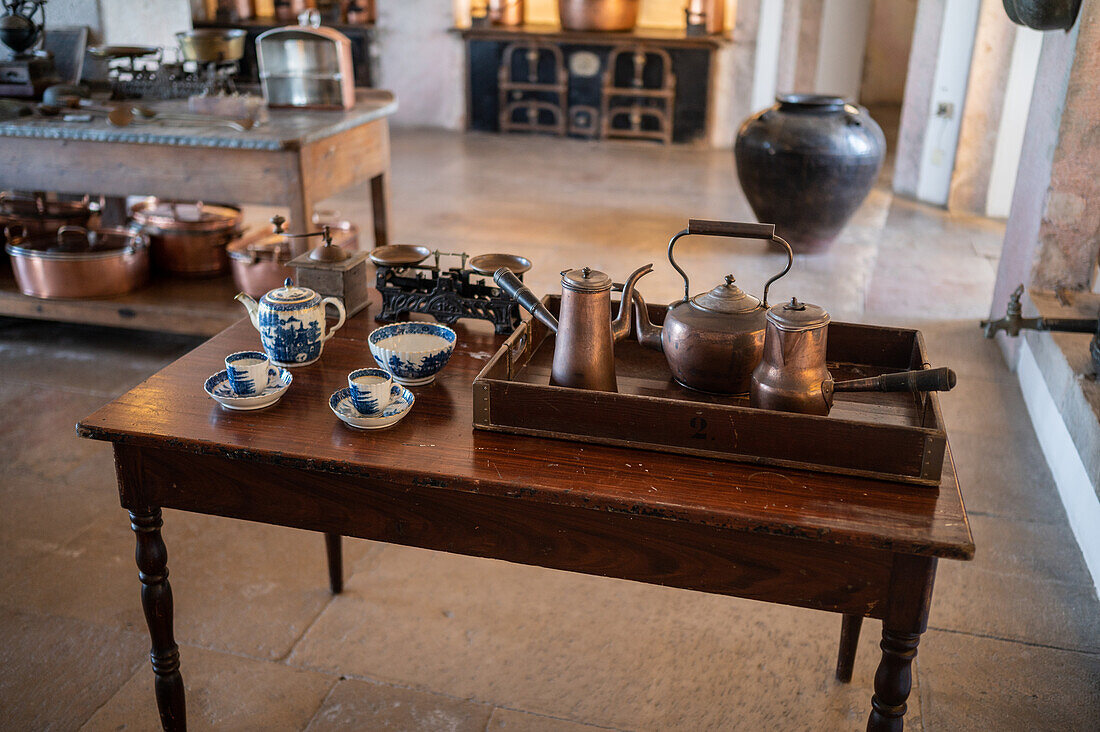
column 849, row 640
column 335, row 563
column 911, row 580
column 893, row 680
column 156, row 600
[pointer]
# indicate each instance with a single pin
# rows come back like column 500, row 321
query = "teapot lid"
column 797, row 316
column 289, row 296
column 585, row 280
column 726, row 298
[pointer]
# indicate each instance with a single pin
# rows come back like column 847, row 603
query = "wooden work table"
column 298, row 158
column 859, row 547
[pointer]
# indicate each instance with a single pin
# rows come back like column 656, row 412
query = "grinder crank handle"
column 939, row 379
column 513, row 286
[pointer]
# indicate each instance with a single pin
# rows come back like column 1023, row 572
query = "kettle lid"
column 289, row 296
column 726, row 298
column 585, row 279
column 797, row 316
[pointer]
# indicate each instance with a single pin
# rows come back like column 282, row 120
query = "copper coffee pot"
column 714, row 340
column 792, row 375
column 584, row 352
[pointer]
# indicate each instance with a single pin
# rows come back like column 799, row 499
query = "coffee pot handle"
column 736, row 229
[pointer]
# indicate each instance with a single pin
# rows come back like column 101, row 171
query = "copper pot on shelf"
column 793, row 376
column 598, row 15
column 506, row 12
column 34, row 215
column 188, row 238
column 78, row 263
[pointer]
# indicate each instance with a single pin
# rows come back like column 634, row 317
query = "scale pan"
column 487, row 264
column 396, row 255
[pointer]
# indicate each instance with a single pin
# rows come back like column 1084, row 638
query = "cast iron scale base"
column 447, row 294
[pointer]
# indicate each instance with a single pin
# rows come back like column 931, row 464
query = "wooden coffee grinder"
column 331, row 271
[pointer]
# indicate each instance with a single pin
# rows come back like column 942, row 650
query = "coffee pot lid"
column 726, row 298
column 585, row 279
column 795, row 316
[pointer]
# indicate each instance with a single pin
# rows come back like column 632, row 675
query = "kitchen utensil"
column 371, row 390
column 247, row 372
column 714, row 340
column 792, row 375
column 212, row 45
column 506, row 12
column 188, row 237
column 584, row 353
column 792, row 369
column 259, row 261
column 412, row 352
column 598, row 15
column 291, row 322
column 487, row 264
column 341, row 405
column 397, row 255
column 123, row 116
column 278, row 381
column 33, row 215
column 115, row 51
column 306, row 66
column 77, row 262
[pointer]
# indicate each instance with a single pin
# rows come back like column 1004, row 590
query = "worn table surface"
column 288, row 129
column 436, row 447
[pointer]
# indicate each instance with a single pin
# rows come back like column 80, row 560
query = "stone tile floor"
column 421, row 640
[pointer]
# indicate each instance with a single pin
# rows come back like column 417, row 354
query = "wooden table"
column 300, row 157
column 859, row 547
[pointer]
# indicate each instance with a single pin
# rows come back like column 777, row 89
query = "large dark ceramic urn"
column 806, row 164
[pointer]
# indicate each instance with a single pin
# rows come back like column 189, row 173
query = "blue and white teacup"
column 371, row 390
column 247, row 372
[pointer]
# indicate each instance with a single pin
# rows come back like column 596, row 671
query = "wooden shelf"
column 670, row 37
column 188, row 307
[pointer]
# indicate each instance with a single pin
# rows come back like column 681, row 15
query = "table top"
column 287, row 129
column 436, row 446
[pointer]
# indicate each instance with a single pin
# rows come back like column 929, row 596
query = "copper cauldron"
column 598, row 15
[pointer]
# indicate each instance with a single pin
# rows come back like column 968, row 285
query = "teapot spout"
column 648, row 334
column 623, row 323
column 252, row 308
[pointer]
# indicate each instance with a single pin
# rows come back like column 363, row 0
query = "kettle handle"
column 737, row 229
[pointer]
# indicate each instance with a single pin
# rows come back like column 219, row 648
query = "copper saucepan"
column 79, row 263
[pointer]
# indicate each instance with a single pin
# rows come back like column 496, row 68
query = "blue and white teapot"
column 291, row 321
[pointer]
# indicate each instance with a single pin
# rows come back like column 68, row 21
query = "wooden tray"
column 891, row 436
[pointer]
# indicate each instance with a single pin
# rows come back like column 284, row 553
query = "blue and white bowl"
column 278, row 381
column 413, row 352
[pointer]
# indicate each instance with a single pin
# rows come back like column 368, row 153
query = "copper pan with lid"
column 78, row 263
column 35, row 214
column 188, row 237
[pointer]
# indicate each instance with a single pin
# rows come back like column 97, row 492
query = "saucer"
column 278, row 380
column 341, row 404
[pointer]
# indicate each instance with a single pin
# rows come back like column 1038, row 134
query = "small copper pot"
column 79, row 263
column 506, row 12
column 188, row 238
column 792, row 369
column 598, row 15
column 34, row 215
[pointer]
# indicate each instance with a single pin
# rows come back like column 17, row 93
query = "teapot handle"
column 741, row 230
column 335, row 302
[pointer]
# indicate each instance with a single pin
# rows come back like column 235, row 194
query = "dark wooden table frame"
column 858, row 547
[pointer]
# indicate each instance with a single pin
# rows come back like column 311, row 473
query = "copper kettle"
column 792, row 376
column 714, row 340
column 584, row 352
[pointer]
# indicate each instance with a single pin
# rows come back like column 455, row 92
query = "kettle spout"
column 252, row 308
column 648, row 334
column 623, row 323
